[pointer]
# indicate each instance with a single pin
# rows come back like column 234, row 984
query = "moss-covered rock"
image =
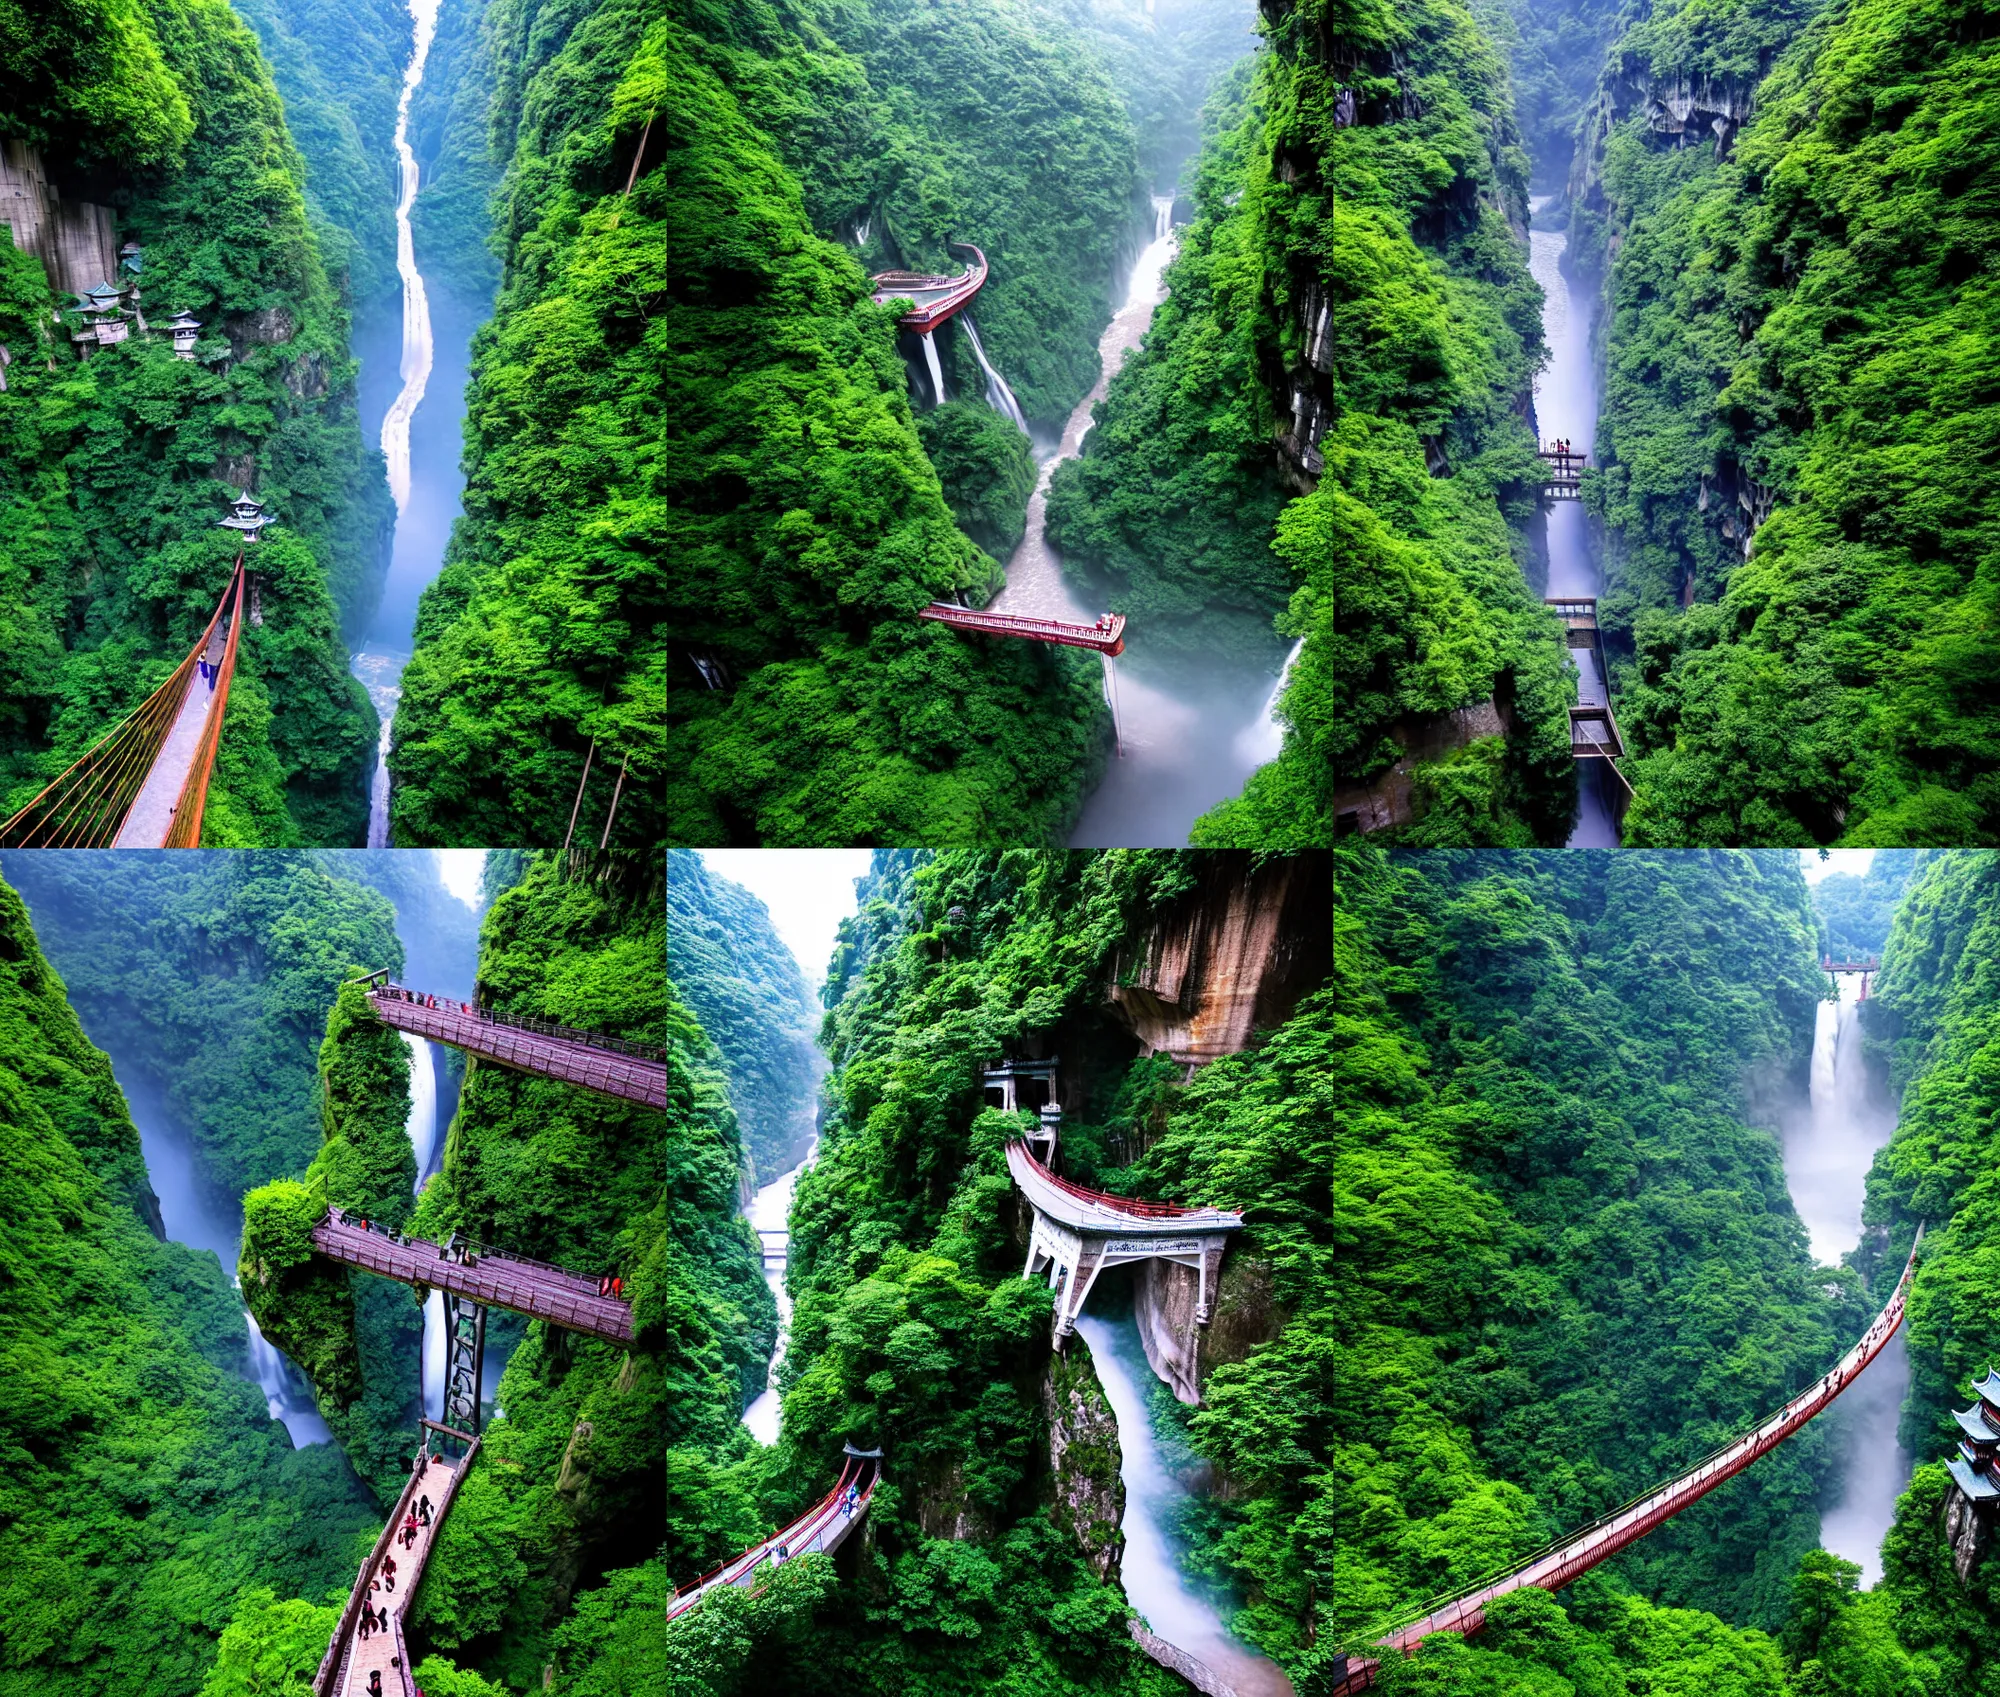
column 301, row 1303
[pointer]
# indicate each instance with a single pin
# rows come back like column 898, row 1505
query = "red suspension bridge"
column 144, row 783
column 1464, row 1612
column 611, row 1066
column 933, row 299
column 822, row 1529
column 1107, row 636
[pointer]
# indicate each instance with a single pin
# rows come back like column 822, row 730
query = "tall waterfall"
column 1828, row 1151
column 937, row 373
column 1153, row 1496
column 416, row 304
column 998, row 396
column 422, row 1128
column 1261, row 742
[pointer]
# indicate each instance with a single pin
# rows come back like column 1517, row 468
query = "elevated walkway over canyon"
column 1593, row 732
column 1107, row 636
column 350, row 1658
column 143, row 784
column 932, row 299
column 492, row 1279
column 1565, row 481
column 1077, row 1233
column 1464, row 1612
column 611, row 1066
column 822, row 1529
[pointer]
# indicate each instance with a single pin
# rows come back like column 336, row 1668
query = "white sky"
column 1837, row 860
column 461, row 870
column 809, row 892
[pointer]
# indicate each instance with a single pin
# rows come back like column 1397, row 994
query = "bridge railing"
column 85, row 805
column 185, row 831
column 1123, row 1204
column 633, row 1047
column 738, row 1567
column 1557, row 1563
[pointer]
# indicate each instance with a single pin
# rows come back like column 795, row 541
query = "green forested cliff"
column 1564, row 1058
column 143, row 1483
column 1794, row 434
column 1327, row 428
column 213, row 976
column 610, row 1470
column 739, row 980
column 116, row 469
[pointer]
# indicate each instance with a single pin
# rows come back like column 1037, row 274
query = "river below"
column 769, row 1213
column 1151, row 1571
column 1566, row 410
column 1828, row 1150
column 1181, row 750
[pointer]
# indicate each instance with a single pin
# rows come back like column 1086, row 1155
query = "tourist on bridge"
column 374, row 1682
column 388, row 1573
column 424, row 1510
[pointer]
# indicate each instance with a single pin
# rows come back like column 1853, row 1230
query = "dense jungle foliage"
column 1796, row 464
column 339, row 66
column 1532, row 1088
column 610, row 1472
column 144, row 1484
column 114, row 471
column 210, row 977
column 740, row 982
column 1351, row 315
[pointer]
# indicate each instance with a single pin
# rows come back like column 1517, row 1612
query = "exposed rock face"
column 306, row 377
column 1237, row 952
column 268, row 327
column 1389, row 800
column 1084, row 1460
column 1967, row 1531
column 942, row 1508
column 1181, row 1353
column 75, row 241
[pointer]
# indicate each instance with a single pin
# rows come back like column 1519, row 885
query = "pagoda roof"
column 1975, row 1485
column 1974, row 1424
column 1988, row 1388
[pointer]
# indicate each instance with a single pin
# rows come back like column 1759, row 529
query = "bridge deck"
column 933, row 299
column 574, row 1060
column 152, row 812
column 349, row 1659
column 1557, row 1567
column 527, row 1287
column 1107, row 636
column 1098, row 1211
column 823, row 1528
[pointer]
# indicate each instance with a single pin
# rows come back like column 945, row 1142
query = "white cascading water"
column 1261, row 743
column 416, row 304
column 937, row 373
column 1828, row 1151
column 768, row 1213
column 1566, row 407
column 998, row 396
column 423, row 1127
column 1150, row 1573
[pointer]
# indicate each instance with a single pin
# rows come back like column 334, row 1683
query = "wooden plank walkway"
column 350, row 1659
column 574, row 1059
column 527, row 1287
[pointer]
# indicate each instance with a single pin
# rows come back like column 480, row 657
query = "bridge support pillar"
column 465, row 1354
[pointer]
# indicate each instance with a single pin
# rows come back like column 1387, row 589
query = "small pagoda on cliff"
column 103, row 315
column 185, row 328
column 1973, row 1469
column 247, row 514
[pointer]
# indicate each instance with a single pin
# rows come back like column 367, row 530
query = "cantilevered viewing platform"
column 933, row 299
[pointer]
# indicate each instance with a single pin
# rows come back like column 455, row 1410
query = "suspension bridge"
column 611, row 1066
column 933, row 299
column 1464, row 1611
column 492, row 1278
column 1107, row 636
column 822, row 1529
column 143, row 784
